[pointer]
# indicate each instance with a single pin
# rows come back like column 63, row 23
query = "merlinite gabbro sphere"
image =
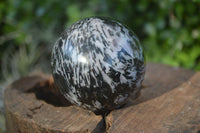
column 97, row 63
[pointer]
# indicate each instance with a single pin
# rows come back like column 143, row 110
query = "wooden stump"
column 169, row 103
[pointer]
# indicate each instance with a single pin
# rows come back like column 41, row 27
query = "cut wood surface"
column 169, row 103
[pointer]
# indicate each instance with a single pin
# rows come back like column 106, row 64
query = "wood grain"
column 169, row 103
column 25, row 113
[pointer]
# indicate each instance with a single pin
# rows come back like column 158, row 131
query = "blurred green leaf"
column 169, row 30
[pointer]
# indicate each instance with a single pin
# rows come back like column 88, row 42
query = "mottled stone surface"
column 97, row 63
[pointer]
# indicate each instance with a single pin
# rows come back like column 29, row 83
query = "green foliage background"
column 169, row 30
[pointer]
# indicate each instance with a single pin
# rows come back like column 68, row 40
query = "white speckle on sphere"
column 97, row 62
column 121, row 99
column 82, row 59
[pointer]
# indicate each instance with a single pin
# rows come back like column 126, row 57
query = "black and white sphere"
column 97, row 64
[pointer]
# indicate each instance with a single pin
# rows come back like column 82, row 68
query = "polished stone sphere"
column 97, row 64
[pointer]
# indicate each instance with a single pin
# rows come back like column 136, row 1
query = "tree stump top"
column 169, row 103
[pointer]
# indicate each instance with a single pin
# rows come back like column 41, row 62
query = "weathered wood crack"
column 169, row 103
column 33, row 111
